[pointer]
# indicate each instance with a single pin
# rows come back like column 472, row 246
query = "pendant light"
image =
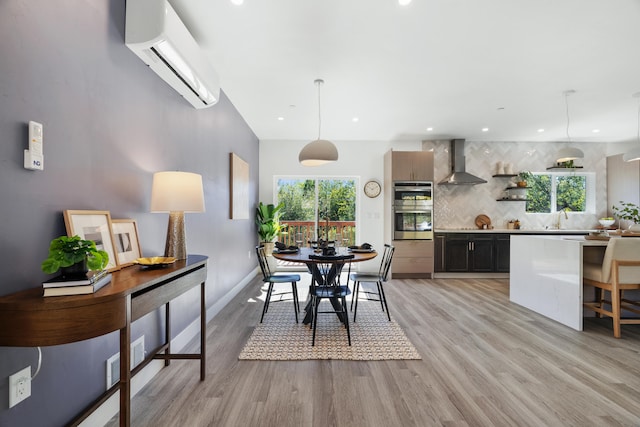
column 634, row 154
column 320, row 151
column 567, row 154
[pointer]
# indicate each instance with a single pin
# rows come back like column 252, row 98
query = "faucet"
column 563, row 211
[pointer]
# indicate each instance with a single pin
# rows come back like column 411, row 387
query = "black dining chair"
column 326, row 285
column 378, row 278
column 269, row 277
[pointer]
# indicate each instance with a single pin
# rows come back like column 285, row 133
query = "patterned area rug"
column 373, row 337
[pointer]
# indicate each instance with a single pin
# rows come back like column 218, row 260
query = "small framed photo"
column 96, row 226
column 125, row 234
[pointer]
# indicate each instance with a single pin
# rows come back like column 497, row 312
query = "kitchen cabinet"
column 412, row 165
column 412, row 259
column 502, row 247
column 471, row 252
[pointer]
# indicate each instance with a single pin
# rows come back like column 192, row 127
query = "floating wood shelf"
column 563, row 168
column 505, row 175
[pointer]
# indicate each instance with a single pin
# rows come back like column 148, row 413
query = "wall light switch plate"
column 19, row 386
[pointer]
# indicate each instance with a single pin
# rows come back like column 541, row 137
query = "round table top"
column 302, row 256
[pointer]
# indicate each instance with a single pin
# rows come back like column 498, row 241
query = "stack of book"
column 60, row 285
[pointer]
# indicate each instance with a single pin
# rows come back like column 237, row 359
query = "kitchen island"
column 546, row 274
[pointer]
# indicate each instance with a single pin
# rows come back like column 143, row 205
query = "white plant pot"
column 634, row 228
column 268, row 248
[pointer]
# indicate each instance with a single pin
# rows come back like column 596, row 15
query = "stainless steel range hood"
column 458, row 174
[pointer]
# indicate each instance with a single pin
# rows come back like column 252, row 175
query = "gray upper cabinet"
column 412, row 165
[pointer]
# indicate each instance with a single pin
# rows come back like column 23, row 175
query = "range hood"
column 458, row 174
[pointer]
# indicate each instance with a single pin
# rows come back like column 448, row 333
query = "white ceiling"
column 454, row 65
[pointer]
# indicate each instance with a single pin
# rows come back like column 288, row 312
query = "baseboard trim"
column 111, row 406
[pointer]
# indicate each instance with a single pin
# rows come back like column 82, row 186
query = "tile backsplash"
column 458, row 206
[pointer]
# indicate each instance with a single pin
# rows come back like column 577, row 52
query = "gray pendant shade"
column 320, row 151
column 569, row 153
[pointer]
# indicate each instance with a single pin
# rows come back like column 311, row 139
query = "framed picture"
column 96, row 226
column 239, row 188
column 125, row 238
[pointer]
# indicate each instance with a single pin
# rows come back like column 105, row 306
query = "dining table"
column 303, row 255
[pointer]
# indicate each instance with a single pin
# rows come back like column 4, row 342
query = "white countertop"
column 513, row 231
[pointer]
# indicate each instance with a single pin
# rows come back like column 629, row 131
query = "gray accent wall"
column 109, row 124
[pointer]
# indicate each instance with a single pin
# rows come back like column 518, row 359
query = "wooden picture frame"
column 238, row 188
column 96, row 226
column 126, row 240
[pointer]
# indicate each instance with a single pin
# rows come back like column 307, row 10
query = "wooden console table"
column 27, row 319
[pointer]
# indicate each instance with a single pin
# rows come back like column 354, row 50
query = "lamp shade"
column 318, row 153
column 569, row 153
column 177, row 192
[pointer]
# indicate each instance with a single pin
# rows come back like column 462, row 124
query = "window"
column 318, row 207
column 557, row 191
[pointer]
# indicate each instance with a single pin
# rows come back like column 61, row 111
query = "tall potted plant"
column 268, row 222
column 630, row 212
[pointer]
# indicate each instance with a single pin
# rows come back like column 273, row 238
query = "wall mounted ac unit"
column 156, row 34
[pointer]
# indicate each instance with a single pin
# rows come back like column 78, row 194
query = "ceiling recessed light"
column 485, row 129
column 595, row 130
column 540, row 130
column 355, row 120
column 429, row 129
column 281, row 118
column 237, row 2
column 404, row 2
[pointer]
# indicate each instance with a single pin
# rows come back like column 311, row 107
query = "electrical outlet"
column 19, row 386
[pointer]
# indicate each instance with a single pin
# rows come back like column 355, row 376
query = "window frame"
column 590, row 190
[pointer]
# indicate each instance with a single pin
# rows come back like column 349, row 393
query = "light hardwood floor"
column 486, row 362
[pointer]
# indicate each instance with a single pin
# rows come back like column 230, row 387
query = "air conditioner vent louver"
column 155, row 33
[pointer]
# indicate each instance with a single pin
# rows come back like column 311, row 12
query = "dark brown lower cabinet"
column 469, row 252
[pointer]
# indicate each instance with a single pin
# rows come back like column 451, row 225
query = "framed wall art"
column 96, row 226
column 239, row 188
column 126, row 240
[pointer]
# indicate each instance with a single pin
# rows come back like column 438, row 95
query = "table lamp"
column 176, row 193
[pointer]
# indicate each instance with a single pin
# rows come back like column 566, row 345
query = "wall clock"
column 372, row 189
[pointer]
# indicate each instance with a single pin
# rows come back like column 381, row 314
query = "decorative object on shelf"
column 606, row 222
column 566, row 154
column 320, row 151
column 629, row 212
column 523, row 177
column 483, row 222
column 508, row 169
column 372, row 189
column 268, row 222
column 634, row 155
column 96, row 226
column 176, row 192
column 127, row 243
column 499, row 168
column 155, row 261
column 74, row 257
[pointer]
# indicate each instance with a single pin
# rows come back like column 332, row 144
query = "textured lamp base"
column 176, row 245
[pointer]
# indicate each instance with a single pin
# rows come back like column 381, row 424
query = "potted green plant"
column 74, row 256
column 523, row 177
column 268, row 222
column 630, row 212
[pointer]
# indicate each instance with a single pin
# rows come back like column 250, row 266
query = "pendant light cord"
column 566, row 103
column 319, row 83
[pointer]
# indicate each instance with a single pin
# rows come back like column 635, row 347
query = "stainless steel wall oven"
column 413, row 210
